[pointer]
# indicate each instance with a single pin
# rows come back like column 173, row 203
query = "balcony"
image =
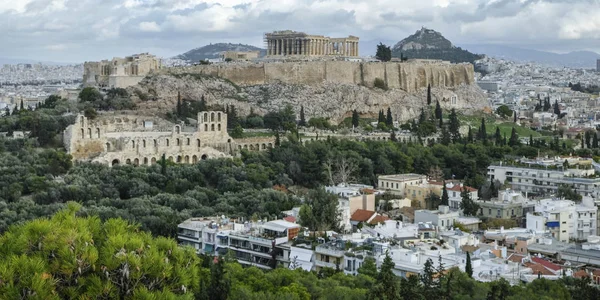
column 323, row 264
column 189, row 238
column 329, row 251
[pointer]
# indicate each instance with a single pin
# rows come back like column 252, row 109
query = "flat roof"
column 403, row 177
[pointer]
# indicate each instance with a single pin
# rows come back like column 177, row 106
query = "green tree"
column 429, row 95
column 90, row 94
column 498, row 136
column 482, row 136
column 470, row 135
column 389, row 120
column 381, row 117
column 468, row 266
column 388, row 286
column 556, row 108
column 504, row 112
column 454, row 126
column 320, row 211
column 179, row 107
column 438, row 110
column 355, row 119
column 368, row 267
column 85, row 258
column 383, row 53
column 566, row 191
column 514, row 138
column 302, row 118
column 445, row 198
column 468, row 205
column 445, row 139
column 219, row 283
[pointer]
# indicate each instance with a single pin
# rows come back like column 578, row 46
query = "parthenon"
column 288, row 42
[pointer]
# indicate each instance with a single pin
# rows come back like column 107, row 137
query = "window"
column 442, row 223
column 188, row 141
column 167, row 142
column 219, row 117
column 212, row 117
column 133, row 144
column 212, row 127
column 144, row 143
column 178, row 142
column 489, row 211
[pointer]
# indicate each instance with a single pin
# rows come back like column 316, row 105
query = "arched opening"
column 198, row 142
column 245, row 146
column 187, row 159
column 89, row 133
column 219, row 127
column 107, row 147
column 178, row 158
column 115, row 162
column 133, row 144
column 194, row 159
column 205, row 119
column 153, row 161
column 82, row 133
column 155, row 143
column 257, row 147
column 240, row 147
column 170, row 158
column 144, row 143
column 178, row 142
column 188, row 141
column 205, row 127
column 264, row 146
column 219, row 117
column 212, row 127
column 167, row 142
column 204, row 157
column 212, row 117
column 97, row 132
column 251, row 147
column 177, row 129
column 229, row 140
column 145, row 161
column 270, row 145
column 81, row 121
column 128, row 161
column 136, row 162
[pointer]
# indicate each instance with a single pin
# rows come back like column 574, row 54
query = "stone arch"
column 198, row 142
column 115, row 162
column 155, row 143
column 82, row 133
column 178, row 158
column 229, row 140
column 136, row 162
column 212, row 117
column 177, row 129
column 219, row 117
column 205, row 127
column 153, row 161
column 270, row 145
column 186, row 159
column 219, row 127
column 257, row 147
column 107, row 147
column 263, row 146
column 89, row 133
column 128, row 161
column 212, row 127
column 178, row 142
column 245, row 146
column 188, row 141
column 204, row 157
column 97, row 132
column 144, row 143
column 170, row 158
column 251, row 147
column 205, row 119
column 167, row 142
column 194, row 159
column 240, row 147
column 145, row 161
column 133, row 144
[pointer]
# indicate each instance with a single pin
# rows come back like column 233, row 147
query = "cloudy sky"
column 80, row 30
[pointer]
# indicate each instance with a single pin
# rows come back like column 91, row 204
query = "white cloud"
column 149, row 27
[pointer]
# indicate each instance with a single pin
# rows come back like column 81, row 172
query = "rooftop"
column 402, row 177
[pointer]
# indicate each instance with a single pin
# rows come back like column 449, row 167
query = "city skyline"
column 77, row 31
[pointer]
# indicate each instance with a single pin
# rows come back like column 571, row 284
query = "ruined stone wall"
column 408, row 76
column 131, row 139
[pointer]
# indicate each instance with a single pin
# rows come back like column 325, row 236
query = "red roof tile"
column 546, row 264
column 290, row 219
column 362, row 215
column 379, row 219
column 581, row 274
column 538, row 268
column 518, row 258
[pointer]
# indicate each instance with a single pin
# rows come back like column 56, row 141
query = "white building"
column 352, row 197
column 564, row 219
column 443, row 217
column 397, row 183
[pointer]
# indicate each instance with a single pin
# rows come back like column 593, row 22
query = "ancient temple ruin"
column 288, row 42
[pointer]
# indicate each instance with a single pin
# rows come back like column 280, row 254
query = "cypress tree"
column 22, row 106
column 468, row 266
column 454, row 126
column 389, row 121
column 483, row 132
column 445, row 140
column 444, row 195
column 470, row 135
column 588, row 139
column 178, row 104
column 531, row 140
column 556, row 108
column 302, row 119
column 355, row 119
column 393, row 137
column 438, row 110
column 498, row 137
column 514, row 116
column 429, row 94
column 381, row 118
column 514, row 138
column 594, row 140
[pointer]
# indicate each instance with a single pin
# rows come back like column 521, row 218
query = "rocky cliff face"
column 328, row 99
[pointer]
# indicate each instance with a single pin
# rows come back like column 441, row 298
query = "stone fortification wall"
column 408, row 76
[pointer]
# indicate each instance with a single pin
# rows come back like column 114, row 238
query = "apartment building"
column 397, row 183
column 329, row 255
column 352, row 197
column 564, row 219
column 545, row 180
column 263, row 245
column 443, row 217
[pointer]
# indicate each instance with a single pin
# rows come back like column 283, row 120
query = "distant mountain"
column 15, row 61
column 430, row 44
column 577, row 59
column 213, row 50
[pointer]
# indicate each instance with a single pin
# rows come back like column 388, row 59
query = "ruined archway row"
column 149, row 161
column 255, row 146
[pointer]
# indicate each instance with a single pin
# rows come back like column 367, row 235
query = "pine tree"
column 389, row 121
column 355, row 119
column 482, row 132
column 514, row 138
column 179, row 105
column 7, row 111
column 445, row 198
column 302, row 119
column 498, row 137
column 469, row 207
column 388, row 285
column 454, row 126
column 429, row 94
column 468, row 266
